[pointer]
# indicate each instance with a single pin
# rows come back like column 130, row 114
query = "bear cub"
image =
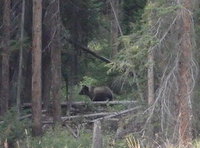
column 102, row 93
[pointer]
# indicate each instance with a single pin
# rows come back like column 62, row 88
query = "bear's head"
column 84, row 90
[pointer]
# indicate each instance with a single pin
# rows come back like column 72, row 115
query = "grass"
column 56, row 138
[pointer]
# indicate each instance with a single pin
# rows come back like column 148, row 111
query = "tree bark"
column 36, row 67
column 5, row 88
column 185, row 76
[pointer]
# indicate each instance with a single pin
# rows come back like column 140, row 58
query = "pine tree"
column 36, row 67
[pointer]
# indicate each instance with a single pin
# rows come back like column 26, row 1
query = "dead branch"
column 64, row 119
column 86, row 49
column 116, row 18
column 89, row 51
column 117, row 114
column 75, row 134
column 86, row 116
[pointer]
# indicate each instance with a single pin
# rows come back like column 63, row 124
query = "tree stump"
column 97, row 136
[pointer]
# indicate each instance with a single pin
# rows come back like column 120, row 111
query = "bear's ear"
column 86, row 88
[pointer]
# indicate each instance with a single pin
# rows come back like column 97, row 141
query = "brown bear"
column 102, row 93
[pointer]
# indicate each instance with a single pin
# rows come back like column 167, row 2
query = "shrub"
column 11, row 128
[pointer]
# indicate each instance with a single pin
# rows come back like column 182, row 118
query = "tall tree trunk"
column 185, row 75
column 5, row 58
column 53, row 28
column 19, row 81
column 36, row 67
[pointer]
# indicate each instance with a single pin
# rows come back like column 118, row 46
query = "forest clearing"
column 99, row 74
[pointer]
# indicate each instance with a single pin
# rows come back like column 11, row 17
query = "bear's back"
column 102, row 93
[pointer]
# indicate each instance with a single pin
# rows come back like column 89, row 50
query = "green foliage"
column 12, row 129
column 81, row 16
column 58, row 138
column 196, row 143
column 158, row 9
column 125, row 142
column 101, row 46
column 132, row 10
column 16, row 44
column 95, row 72
column 131, row 61
column 95, row 45
column 99, row 72
column 88, row 81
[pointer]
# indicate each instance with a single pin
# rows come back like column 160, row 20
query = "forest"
column 99, row 74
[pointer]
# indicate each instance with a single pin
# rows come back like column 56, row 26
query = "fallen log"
column 80, row 103
column 102, row 103
column 107, row 115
